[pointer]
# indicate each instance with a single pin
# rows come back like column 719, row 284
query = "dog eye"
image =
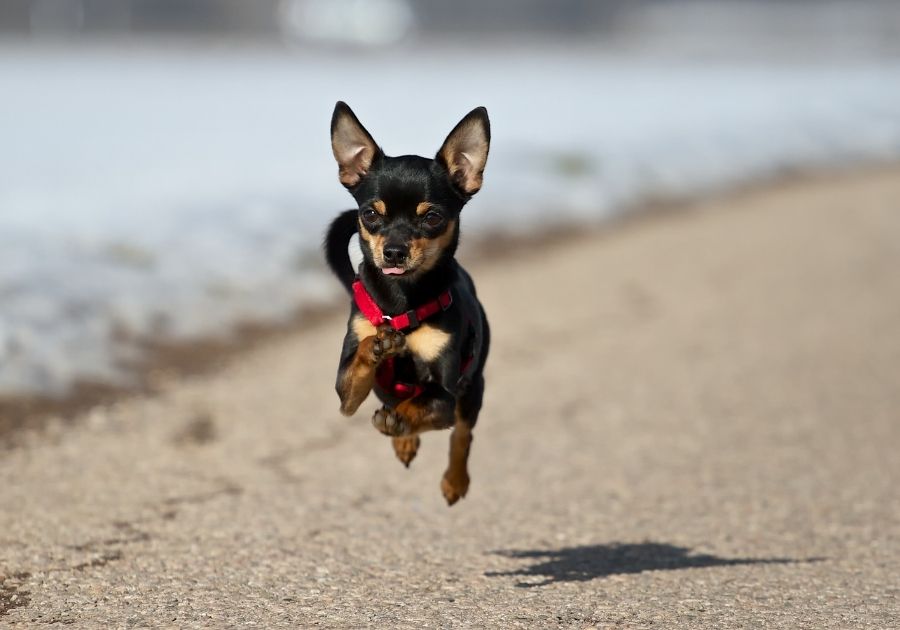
column 432, row 220
column 370, row 216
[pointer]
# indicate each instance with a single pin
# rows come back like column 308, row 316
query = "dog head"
column 409, row 205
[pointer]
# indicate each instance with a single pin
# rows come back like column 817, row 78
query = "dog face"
column 409, row 206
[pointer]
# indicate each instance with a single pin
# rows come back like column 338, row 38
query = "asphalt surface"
column 691, row 421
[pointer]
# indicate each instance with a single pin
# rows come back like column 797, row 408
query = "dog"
column 417, row 334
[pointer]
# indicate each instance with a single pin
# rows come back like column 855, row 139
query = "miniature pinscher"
column 417, row 333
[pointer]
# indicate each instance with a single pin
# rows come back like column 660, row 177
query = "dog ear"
column 353, row 146
column 465, row 151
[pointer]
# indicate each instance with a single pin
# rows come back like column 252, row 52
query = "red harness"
column 411, row 319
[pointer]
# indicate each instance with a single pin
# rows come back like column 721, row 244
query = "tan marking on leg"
column 419, row 417
column 359, row 377
column 406, row 448
column 455, row 483
column 414, row 415
column 427, row 342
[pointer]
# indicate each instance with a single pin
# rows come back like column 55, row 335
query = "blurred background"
column 166, row 173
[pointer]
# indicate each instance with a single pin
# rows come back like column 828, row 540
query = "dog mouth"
column 393, row 271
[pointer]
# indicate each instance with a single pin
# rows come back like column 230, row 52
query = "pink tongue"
column 392, row 271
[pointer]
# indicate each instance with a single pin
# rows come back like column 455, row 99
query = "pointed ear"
column 465, row 151
column 353, row 146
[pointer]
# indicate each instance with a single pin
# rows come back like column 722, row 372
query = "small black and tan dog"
column 417, row 333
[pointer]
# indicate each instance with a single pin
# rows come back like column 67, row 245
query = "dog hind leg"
column 455, row 482
column 406, row 448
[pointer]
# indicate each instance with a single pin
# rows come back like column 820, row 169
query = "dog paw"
column 388, row 342
column 454, row 486
column 405, row 448
column 388, row 422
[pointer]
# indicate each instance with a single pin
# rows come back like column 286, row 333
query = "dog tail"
column 336, row 241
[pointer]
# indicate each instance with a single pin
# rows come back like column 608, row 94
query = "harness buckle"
column 413, row 319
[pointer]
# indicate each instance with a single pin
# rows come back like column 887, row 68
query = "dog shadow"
column 588, row 562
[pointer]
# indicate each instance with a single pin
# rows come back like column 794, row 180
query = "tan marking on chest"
column 427, row 342
column 362, row 328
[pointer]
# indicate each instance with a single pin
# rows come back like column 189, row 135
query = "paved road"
column 691, row 421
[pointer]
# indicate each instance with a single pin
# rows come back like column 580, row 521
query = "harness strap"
column 410, row 319
column 385, row 375
column 388, row 382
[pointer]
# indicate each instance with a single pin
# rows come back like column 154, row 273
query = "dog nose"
column 395, row 253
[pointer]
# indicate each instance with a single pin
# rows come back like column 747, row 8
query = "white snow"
column 175, row 193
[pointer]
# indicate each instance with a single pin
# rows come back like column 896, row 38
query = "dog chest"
column 425, row 342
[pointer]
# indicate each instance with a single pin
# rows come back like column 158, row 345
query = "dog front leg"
column 356, row 375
